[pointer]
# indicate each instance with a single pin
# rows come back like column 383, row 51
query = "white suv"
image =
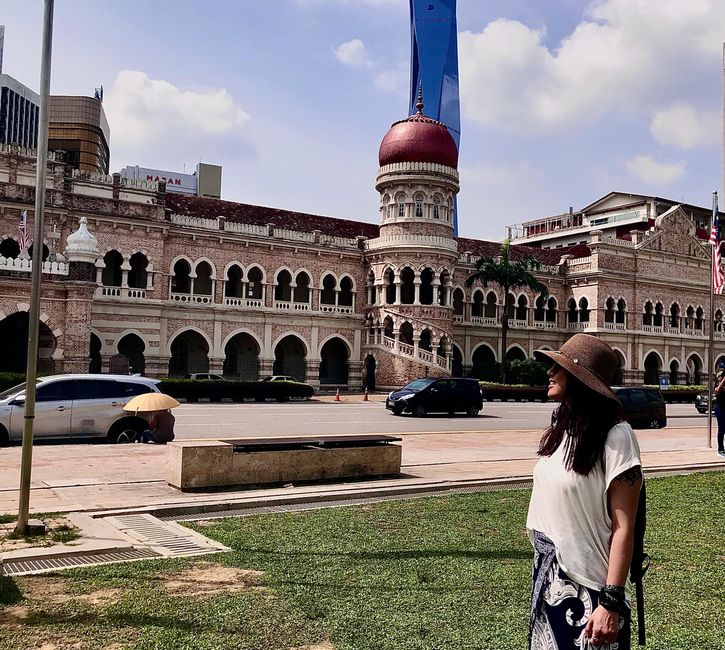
column 70, row 406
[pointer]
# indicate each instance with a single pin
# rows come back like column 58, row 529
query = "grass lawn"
column 434, row 573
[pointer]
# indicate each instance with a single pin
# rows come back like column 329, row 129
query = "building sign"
column 183, row 183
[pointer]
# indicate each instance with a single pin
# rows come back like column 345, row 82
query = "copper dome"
column 418, row 139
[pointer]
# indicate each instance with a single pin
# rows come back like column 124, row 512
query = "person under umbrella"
column 161, row 425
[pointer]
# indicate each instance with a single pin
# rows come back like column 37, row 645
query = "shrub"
column 193, row 390
column 10, row 379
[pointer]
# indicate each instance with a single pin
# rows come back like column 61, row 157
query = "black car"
column 701, row 400
column 644, row 407
column 432, row 395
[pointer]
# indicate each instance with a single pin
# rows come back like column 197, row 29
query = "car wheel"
column 4, row 437
column 473, row 411
column 654, row 423
column 124, row 433
column 419, row 411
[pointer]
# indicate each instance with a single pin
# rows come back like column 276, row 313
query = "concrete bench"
column 255, row 461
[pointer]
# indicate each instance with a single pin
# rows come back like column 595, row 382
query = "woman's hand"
column 602, row 627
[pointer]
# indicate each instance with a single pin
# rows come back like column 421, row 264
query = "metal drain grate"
column 164, row 537
column 30, row 567
column 355, row 501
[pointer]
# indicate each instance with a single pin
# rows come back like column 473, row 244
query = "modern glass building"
column 78, row 126
column 434, row 63
column 19, row 108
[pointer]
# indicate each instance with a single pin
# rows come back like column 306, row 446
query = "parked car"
column 644, row 407
column 204, row 376
column 701, row 401
column 431, row 395
column 70, row 406
column 281, row 378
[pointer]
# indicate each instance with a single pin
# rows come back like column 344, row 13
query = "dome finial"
column 419, row 104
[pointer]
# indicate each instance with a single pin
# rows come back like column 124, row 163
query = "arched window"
column 344, row 299
column 390, row 288
column 675, row 316
column 9, row 248
column 406, row 333
column 180, row 280
column 477, row 306
column 138, row 276
column 621, row 316
column 419, row 205
column 426, row 287
column 699, row 320
column 112, row 274
column 690, row 317
column 255, row 288
column 425, row 340
column 458, row 298
column 647, row 314
column 659, row 315
column 302, row 288
column 407, row 286
column 609, row 311
column 233, row 284
column 571, row 312
column 583, row 310
column 388, row 329
column 551, row 308
column 510, row 306
column 400, row 200
column 436, row 207
column 283, row 287
column 540, row 309
column 203, row 279
column 491, row 305
column 522, row 308
column 327, row 295
column 718, row 321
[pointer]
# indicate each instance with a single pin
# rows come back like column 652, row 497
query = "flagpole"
column 711, row 346
column 37, row 270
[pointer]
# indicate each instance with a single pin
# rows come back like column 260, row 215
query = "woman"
column 583, row 506
column 720, row 411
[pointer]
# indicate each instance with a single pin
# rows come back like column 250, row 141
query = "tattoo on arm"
column 632, row 476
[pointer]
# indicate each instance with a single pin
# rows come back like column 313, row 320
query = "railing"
column 336, row 309
column 194, row 222
column 20, row 265
column 614, row 326
column 484, row 320
column 425, row 355
column 418, row 167
column 282, row 304
column 190, row 297
column 457, row 318
column 544, row 325
column 518, row 324
column 121, row 292
column 574, row 327
column 628, row 243
column 404, row 240
column 301, row 306
column 246, row 228
column 655, row 329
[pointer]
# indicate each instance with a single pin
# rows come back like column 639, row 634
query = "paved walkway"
column 95, row 477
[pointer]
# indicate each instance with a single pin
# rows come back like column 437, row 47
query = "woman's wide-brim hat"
column 589, row 359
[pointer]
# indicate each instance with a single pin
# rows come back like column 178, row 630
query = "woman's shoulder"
column 621, row 437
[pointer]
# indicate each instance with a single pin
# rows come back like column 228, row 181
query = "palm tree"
column 508, row 274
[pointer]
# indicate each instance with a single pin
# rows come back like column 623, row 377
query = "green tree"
column 509, row 275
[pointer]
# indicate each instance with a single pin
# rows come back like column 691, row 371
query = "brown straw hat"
column 589, row 359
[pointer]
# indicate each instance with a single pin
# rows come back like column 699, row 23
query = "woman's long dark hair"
column 582, row 422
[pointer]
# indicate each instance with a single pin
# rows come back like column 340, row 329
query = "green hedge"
column 237, row 391
column 193, row 390
column 518, row 393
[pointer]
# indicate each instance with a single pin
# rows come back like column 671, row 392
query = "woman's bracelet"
column 611, row 597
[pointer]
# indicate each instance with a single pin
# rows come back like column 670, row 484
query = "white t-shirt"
column 571, row 509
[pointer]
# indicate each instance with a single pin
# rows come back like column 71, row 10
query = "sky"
column 562, row 101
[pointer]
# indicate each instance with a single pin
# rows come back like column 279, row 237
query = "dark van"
column 644, row 407
column 432, row 395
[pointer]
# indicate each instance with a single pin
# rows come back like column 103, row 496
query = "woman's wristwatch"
column 611, row 597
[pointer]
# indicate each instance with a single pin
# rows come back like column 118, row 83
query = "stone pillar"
column 416, row 344
column 354, row 375
column 125, row 268
column 313, row 372
column 416, row 285
column 396, row 336
column 398, row 283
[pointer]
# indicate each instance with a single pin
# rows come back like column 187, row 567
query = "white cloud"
column 371, row 3
column 353, row 53
column 394, row 80
column 682, row 125
column 620, row 56
column 649, row 170
column 154, row 117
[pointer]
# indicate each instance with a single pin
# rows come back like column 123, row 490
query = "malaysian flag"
column 23, row 240
column 718, row 280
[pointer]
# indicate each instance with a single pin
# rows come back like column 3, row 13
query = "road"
column 330, row 418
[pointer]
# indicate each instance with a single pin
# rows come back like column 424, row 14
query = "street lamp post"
column 37, row 269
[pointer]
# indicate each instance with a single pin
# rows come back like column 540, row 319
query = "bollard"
column 365, row 395
column 337, row 395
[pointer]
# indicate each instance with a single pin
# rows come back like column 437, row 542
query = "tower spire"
column 419, row 104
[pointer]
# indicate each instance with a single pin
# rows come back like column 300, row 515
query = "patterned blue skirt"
column 560, row 607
